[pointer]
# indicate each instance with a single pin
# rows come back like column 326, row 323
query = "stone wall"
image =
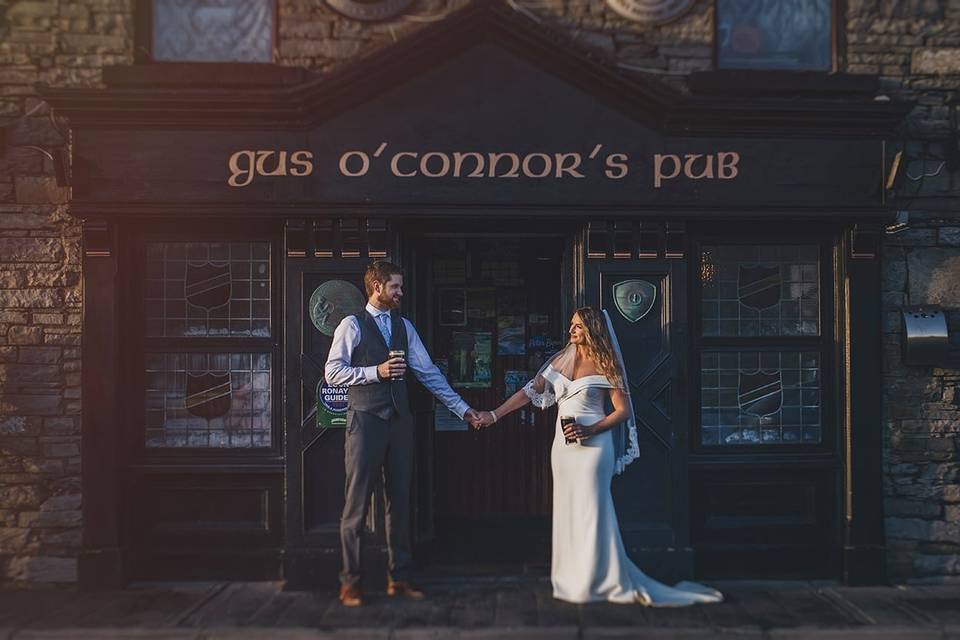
column 60, row 42
column 914, row 46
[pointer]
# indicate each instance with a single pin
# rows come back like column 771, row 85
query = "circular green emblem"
column 333, row 301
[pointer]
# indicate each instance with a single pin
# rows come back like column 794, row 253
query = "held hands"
column 577, row 431
column 392, row 368
column 479, row 419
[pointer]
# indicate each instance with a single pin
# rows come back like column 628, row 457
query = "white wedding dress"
column 589, row 562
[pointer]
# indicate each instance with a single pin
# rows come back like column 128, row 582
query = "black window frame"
column 825, row 343
column 837, row 42
column 134, row 334
column 143, row 37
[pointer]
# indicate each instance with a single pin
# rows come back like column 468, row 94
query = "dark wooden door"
column 490, row 310
column 650, row 322
column 318, row 296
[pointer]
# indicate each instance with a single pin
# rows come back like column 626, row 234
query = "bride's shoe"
column 643, row 598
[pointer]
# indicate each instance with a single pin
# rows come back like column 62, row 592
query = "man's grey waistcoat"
column 385, row 398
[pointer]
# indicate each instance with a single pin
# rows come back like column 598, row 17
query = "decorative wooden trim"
column 391, row 210
column 598, row 239
column 296, row 238
column 864, row 544
column 649, row 239
column 633, row 239
column 330, row 237
column 675, row 240
column 865, row 239
column 98, row 239
column 101, row 564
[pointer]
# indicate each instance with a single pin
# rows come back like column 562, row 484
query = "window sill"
column 742, row 82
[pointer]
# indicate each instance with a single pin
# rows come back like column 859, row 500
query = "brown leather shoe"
column 350, row 596
column 404, row 590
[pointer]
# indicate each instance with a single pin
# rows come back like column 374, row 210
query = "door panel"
column 321, row 446
column 314, row 451
column 651, row 494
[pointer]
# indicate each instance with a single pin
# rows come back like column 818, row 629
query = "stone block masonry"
column 40, row 287
column 913, row 46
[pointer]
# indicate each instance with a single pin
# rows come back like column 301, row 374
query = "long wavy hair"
column 598, row 346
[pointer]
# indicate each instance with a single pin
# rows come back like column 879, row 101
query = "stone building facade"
column 913, row 46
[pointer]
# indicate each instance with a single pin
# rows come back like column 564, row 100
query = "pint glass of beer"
column 398, row 353
column 564, row 421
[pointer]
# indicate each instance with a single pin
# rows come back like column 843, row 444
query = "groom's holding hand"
column 380, row 428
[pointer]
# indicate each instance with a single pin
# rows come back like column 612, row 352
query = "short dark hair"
column 379, row 271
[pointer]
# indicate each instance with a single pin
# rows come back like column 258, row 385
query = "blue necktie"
column 384, row 325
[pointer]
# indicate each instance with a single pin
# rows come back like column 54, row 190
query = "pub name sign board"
column 487, row 129
column 247, row 165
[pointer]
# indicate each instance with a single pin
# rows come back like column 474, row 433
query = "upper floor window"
column 213, row 30
column 775, row 34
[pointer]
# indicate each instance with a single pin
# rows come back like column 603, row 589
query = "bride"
column 589, row 562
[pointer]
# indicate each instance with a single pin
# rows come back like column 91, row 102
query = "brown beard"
column 387, row 302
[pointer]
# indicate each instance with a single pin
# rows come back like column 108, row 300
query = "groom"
column 380, row 428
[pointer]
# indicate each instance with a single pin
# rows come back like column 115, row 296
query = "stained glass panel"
column 775, row 34
column 760, row 397
column 208, row 400
column 760, row 290
column 213, row 30
column 208, row 289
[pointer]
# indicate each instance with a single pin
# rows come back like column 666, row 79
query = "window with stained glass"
column 209, row 362
column 775, row 34
column 208, row 400
column 760, row 397
column 213, row 30
column 208, row 289
column 767, row 290
column 761, row 342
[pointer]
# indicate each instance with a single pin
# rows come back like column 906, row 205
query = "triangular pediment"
column 486, row 93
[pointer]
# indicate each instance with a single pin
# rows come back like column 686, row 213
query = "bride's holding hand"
column 588, row 559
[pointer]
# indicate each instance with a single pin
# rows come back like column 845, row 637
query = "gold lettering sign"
column 246, row 165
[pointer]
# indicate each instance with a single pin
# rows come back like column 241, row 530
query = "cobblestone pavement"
column 479, row 609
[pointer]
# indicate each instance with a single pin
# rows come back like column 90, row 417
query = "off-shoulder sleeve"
column 541, row 391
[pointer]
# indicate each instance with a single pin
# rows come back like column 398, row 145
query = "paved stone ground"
column 478, row 610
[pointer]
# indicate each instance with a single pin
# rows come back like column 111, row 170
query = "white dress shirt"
column 340, row 373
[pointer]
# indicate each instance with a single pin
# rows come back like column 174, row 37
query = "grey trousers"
column 374, row 446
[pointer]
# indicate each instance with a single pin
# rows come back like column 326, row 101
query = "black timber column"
column 100, row 563
column 864, row 544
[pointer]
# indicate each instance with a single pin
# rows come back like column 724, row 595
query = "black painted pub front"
column 732, row 233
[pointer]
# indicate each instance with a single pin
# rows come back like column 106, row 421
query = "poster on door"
column 331, row 406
